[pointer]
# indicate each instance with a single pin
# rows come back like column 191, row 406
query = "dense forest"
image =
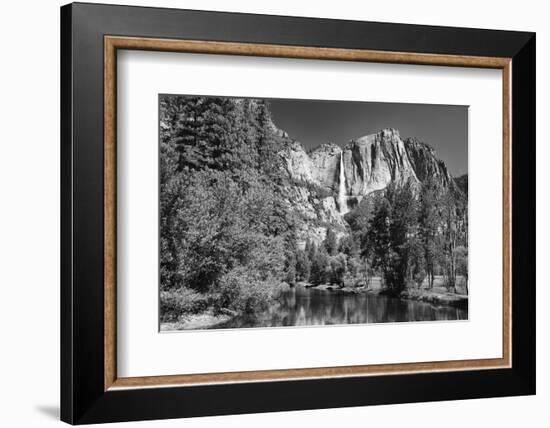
column 229, row 236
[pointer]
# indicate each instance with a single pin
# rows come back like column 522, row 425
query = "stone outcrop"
column 313, row 214
column 326, row 165
column 297, row 162
column 374, row 161
column 425, row 163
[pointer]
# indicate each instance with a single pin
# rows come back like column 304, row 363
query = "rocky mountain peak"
column 362, row 167
column 368, row 164
column 426, row 164
column 414, row 143
column 389, row 133
column 328, row 148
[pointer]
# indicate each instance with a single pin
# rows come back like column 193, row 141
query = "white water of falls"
column 342, row 203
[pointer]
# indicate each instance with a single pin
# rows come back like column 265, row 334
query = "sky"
column 313, row 122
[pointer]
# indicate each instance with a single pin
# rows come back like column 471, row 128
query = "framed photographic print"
column 265, row 213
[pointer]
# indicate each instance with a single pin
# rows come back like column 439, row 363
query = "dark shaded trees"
column 303, row 265
column 320, row 268
column 429, row 227
column 376, row 243
column 310, row 249
column 348, row 245
column 412, row 232
column 454, row 233
column 331, row 243
column 402, row 226
column 461, row 254
column 337, row 269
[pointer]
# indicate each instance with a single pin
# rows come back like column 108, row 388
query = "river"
column 301, row 306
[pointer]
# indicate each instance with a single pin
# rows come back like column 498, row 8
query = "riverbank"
column 201, row 321
column 304, row 305
column 436, row 296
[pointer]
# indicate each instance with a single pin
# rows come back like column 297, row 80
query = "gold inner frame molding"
column 113, row 43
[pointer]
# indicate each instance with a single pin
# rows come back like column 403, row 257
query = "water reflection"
column 301, row 306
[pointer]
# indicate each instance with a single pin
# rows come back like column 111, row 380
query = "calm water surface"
column 301, row 306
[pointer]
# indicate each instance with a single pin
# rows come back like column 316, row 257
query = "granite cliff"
column 329, row 181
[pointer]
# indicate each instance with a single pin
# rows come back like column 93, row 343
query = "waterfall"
column 342, row 203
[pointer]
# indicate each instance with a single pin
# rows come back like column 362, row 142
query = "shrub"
column 182, row 301
column 243, row 291
column 320, row 268
column 355, row 273
column 303, row 266
column 337, row 269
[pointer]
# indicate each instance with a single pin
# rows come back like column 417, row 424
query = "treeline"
column 334, row 261
column 225, row 232
column 405, row 234
column 417, row 233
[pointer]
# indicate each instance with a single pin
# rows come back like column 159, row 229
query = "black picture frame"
column 83, row 398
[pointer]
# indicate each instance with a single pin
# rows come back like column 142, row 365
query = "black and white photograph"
column 286, row 212
column 266, row 214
